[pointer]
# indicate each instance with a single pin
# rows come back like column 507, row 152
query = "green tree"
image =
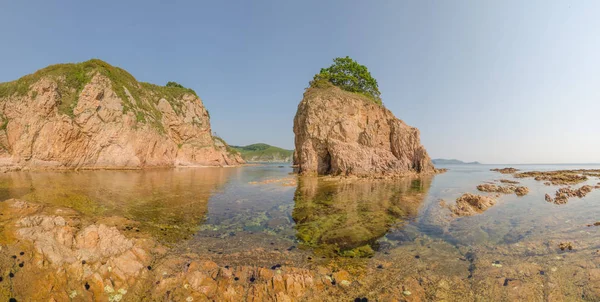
column 350, row 76
column 174, row 84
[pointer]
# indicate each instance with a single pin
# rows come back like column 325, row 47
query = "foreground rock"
column 343, row 133
column 93, row 115
column 519, row 190
column 470, row 204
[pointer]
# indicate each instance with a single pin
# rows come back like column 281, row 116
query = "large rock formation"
column 343, row 133
column 94, row 115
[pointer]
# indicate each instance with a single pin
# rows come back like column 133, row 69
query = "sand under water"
column 261, row 233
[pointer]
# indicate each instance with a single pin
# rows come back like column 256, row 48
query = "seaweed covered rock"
column 343, row 133
column 94, row 115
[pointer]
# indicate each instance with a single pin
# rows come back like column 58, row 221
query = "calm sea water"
column 323, row 216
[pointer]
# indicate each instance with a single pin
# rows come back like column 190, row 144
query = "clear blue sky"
column 497, row 82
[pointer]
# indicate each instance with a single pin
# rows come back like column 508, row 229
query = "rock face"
column 94, row 115
column 343, row 133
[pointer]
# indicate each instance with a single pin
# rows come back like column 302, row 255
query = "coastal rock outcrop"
column 94, row 115
column 343, row 133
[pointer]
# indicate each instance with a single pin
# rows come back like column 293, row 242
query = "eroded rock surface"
column 105, row 125
column 471, row 204
column 342, row 133
column 519, row 190
column 563, row 194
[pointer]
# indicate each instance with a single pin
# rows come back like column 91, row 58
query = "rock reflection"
column 347, row 217
column 169, row 204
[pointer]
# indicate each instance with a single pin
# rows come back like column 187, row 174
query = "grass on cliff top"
column 322, row 86
column 262, row 151
column 229, row 149
column 72, row 78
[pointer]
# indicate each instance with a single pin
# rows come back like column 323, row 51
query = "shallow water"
column 224, row 211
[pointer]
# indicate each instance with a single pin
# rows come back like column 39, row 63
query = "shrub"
column 350, row 76
column 174, row 84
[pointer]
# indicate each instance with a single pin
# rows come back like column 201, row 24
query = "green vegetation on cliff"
column 72, row 78
column 348, row 75
column 264, row 153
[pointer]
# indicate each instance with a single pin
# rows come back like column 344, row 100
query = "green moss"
column 344, row 218
column 73, row 77
column 229, row 149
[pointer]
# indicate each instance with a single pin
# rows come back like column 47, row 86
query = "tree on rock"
column 350, row 76
column 174, row 84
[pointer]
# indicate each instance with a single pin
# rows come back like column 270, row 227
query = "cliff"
column 344, row 133
column 94, row 115
column 264, row 153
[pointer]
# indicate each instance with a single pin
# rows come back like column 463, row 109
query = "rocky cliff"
column 94, row 115
column 343, row 133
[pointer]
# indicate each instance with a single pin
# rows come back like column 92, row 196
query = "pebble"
column 406, row 293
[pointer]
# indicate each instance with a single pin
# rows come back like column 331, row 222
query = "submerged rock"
column 565, row 246
column 508, row 181
column 343, row 133
column 470, row 204
column 106, row 119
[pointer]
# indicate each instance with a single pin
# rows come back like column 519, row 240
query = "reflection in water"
column 170, row 204
column 347, row 217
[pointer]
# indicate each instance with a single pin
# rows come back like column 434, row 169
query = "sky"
column 489, row 81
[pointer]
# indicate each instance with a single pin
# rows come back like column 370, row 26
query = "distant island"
column 442, row 161
column 264, row 153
